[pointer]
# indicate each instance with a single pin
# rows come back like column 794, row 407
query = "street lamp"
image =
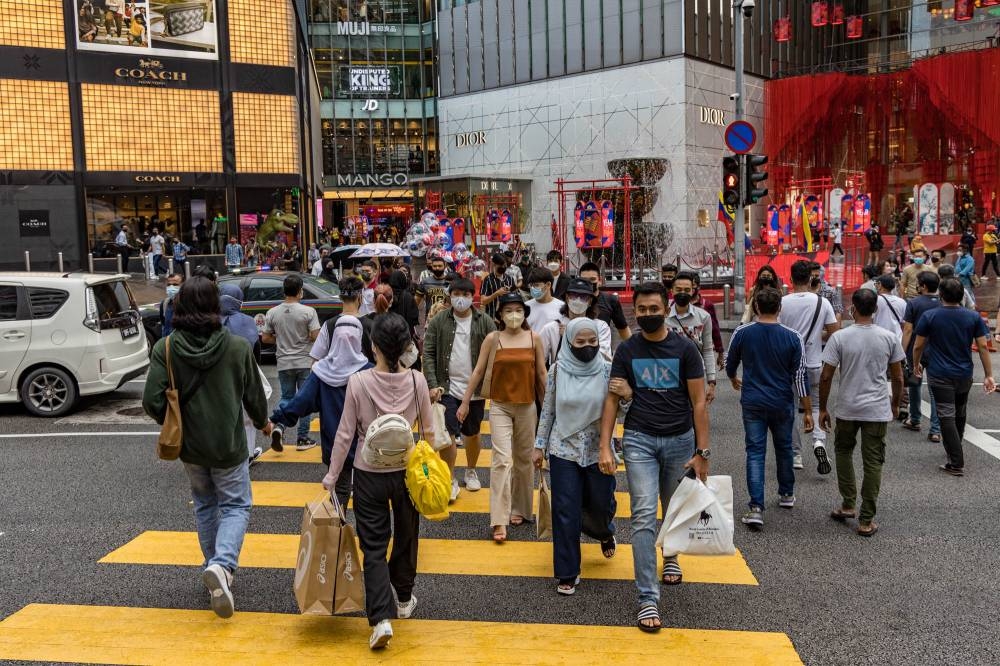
column 746, row 8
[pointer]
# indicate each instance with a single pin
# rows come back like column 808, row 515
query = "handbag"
column 183, row 18
column 484, row 389
column 389, row 437
column 168, row 446
column 543, row 528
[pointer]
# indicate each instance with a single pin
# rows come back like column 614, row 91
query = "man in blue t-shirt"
column 927, row 300
column 666, row 433
column 946, row 334
column 774, row 375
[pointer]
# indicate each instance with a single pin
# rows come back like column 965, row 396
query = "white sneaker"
column 405, row 610
column 218, row 580
column 381, row 634
column 797, row 462
column 472, row 483
column 257, row 452
column 454, row 490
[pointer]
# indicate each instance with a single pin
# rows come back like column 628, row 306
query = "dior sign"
column 470, row 139
column 710, row 116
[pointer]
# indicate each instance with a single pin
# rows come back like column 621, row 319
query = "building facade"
column 375, row 62
column 185, row 116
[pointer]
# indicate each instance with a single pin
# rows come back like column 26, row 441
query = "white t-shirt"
column 797, row 313
column 884, row 315
column 460, row 363
column 543, row 313
column 156, row 244
column 862, row 353
column 836, row 233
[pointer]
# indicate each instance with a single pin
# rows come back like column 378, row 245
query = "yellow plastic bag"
column 429, row 481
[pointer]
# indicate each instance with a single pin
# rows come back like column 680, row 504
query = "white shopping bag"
column 441, row 437
column 699, row 518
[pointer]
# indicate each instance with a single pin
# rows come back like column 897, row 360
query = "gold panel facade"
column 32, row 23
column 262, row 33
column 35, row 129
column 133, row 128
column 267, row 133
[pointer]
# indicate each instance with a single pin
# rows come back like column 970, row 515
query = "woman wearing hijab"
column 324, row 392
column 569, row 432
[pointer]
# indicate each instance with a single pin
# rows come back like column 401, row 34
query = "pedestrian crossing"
column 123, row 635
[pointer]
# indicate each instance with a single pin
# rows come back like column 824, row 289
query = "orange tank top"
column 514, row 375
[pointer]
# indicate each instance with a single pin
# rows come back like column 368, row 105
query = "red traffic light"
column 731, row 180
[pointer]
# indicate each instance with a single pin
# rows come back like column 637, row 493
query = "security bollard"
column 187, row 270
column 59, row 258
column 119, row 263
column 170, row 266
column 27, row 260
column 90, row 262
column 726, row 305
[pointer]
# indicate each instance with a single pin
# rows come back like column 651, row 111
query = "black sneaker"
column 824, row 462
column 305, row 443
column 950, row 469
column 277, row 435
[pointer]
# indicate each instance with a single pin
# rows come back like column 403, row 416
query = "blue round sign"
column 740, row 136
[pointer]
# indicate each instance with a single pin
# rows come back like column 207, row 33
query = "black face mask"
column 651, row 323
column 683, row 299
column 437, row 273
column 585, row 354
column 766, row 282
column 668, row 285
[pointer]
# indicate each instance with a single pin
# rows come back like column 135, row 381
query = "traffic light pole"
column 739, row 232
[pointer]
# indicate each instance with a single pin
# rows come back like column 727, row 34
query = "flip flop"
column 608, row 548
column 842, row 514
column 520, row 520
column 671, row 568
column 499, row 534
column 867, row 529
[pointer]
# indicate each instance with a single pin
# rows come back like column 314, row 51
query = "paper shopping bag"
column 544, row 516
column 349, row 587
column 699, row 518
column 319, row 548
column 442, row 439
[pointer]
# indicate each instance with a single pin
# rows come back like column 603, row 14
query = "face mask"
column 172, row 290
column 461, row 303
column 437, row 273
column 937, row 260
column 919, row 261
column 668, row 285
column 513, row 319
column 585, row 354
column 536, row 292
column 683, row 299
column 578, row 306
column 650, row 323
column 553, row 266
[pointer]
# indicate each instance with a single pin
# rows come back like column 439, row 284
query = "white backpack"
column 389, row 437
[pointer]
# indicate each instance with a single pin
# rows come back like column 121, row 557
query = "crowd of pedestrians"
column 557, row 387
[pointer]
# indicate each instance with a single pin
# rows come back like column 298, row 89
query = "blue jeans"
column 583, row 501
column 915, row 411
column 757, row 421
column 654, row 467
column 291, row 381
column 222, row 503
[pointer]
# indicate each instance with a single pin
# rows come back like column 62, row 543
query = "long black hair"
column 196, row 307
column 391, row 334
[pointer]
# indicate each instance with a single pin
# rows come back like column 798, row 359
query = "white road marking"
column 978, row 438
column 991, row 431
column 79, row 434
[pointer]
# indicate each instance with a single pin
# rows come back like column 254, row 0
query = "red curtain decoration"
column 820, row 13
column 837, row 17
column 855, row 26
column 783, row 29
column 964, row 9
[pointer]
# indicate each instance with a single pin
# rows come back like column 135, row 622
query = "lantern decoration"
column 855, row 26
column 964, row 9
column 820, row 13
column 837, row 18
column 783, row 29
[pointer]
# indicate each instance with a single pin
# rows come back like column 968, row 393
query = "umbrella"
column 340, row 254
column 373, row 250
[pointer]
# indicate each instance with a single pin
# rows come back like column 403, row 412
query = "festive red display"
column 820, row 13
column 855, row 26
column 964, row 9
column 837, row 17
column 783, row 29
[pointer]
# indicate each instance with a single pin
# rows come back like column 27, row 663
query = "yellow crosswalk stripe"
column 156, row 636
column 531, row 559
column 296, row 494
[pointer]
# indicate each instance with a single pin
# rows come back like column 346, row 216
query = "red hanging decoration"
column 964, row 9
column 988, row 3
column 837, row 17
column 783, row 29
column 855, row 26
column 820, row 13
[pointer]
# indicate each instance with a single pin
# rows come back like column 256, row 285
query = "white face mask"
column 513, row 319
column 461, row 303
column 553, row 266
column 578, row 306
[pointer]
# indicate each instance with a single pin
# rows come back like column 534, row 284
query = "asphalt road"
column 921, row 591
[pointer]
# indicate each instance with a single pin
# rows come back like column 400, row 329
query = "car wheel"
column 150, row 341
column 48, row 392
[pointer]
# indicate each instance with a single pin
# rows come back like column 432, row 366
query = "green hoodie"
column 211, row 416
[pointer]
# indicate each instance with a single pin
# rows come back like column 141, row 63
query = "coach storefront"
column 188, row 116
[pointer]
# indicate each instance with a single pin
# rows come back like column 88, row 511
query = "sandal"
column 671, row 570
column 567, row 587
column 517, row 521
column 499, row 534
column 842, row 514
column 936, row 438
column 649, row 614
column 867, row 529
column 608, row 548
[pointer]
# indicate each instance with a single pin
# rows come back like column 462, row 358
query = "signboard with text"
column 148, row 28
column 368, row 80
column 33, row 222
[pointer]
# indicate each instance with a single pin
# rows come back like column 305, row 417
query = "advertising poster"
column 927, row 209
column 33, row 222
column 180, row 28
column 946, row 222
column 366, row 80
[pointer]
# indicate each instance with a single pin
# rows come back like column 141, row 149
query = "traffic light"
column 755, row 194
column 731, row 193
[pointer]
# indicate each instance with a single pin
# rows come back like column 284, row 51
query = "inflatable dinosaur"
column 277, row 221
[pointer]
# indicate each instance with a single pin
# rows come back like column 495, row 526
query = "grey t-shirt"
column 863, row 354
column 291, row 324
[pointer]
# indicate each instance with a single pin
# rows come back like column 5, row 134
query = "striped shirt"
column 772, row 356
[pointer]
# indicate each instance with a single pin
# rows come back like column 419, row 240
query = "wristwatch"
column 704, row 453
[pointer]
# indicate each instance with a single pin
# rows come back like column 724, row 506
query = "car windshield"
column 324, row 285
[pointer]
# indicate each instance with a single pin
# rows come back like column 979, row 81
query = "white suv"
column 66, row 336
